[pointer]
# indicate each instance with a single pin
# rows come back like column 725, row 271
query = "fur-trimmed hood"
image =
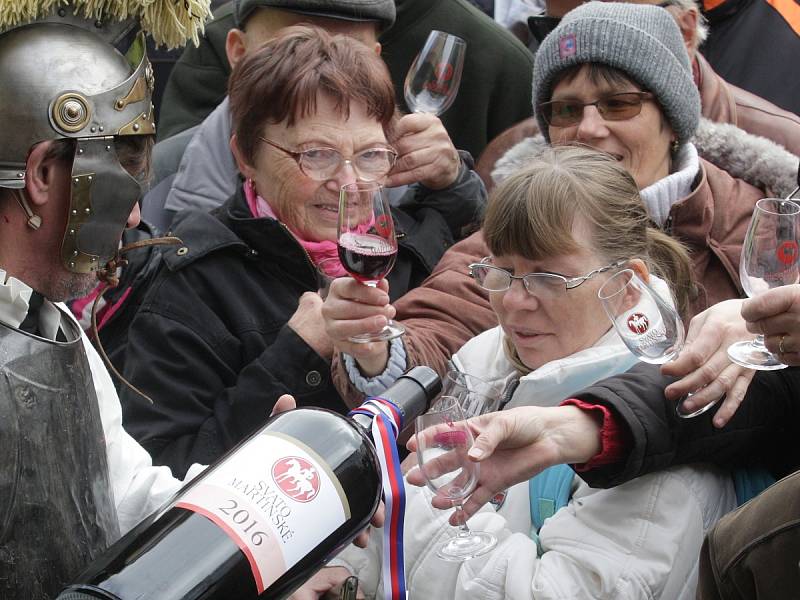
column 754, row 159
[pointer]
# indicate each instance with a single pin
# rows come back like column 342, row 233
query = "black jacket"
column 211, row 345
column 763, row 431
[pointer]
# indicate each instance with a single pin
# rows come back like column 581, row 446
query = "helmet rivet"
column 87, row 210
column 62, row 13
column 74, row 253
column 20, row 175
column 75, row 181
column 72, row 265
column 101, row 128
column 136, row 127
column 71, row 112
column 98, row 23
column 74, row 211
column 119, row 104
column 93, row 129
column 89, row 178
column 72, row 232
column 108, row 148
column 80, row 150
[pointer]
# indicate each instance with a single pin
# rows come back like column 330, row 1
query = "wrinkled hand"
column 513, row 446
column 425, row 153
column 703, row 364
column 325, row 583
column 352, row 308
column 776, row 315
column 307, row 322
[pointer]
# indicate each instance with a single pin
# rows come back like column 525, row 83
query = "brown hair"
column 531, row 214
column 281, row 79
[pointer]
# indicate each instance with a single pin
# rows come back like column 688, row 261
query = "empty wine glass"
column 366, row 242
column 769, row 260
column 476, row 396
column 650, row 328
column 432, row 81
column 443, row 440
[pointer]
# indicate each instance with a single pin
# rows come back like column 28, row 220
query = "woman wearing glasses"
column 616, row 77
column 233, row 319
column 556, row 231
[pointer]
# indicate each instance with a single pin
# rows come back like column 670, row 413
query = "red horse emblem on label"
column 787, row 252
column 638, row 323
column 297, row 478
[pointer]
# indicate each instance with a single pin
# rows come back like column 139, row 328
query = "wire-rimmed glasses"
column 497, row 279
column 321, row 164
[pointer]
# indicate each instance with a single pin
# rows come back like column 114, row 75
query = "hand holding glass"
column 435, row 75
column 769, row 260
column 650, row 328
column 367, row 243
column 443, row 441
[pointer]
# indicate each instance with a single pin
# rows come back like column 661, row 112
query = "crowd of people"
column 598, row 141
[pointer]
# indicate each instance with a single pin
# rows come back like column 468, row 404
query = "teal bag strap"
column 749, row 482
column 549, row 491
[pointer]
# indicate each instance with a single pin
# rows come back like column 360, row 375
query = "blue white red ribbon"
column 387, row 422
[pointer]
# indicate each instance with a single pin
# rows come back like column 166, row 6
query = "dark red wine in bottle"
column 366, row 257
column 264, row 518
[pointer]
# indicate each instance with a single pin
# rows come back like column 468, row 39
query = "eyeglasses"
column 321, row 164
column 616, row 107
column 543, row 285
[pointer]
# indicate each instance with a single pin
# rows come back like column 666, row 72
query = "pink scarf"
column 317, row 251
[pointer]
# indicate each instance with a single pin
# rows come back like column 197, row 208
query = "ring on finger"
column 781, row 349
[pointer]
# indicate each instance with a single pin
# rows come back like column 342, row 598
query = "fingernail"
column 475, row 452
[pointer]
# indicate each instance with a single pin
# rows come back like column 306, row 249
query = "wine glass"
column 769, row 260
column 475, row 395
column 432, row 81
column 650, row 328
column 366, row 242
column 443, row 440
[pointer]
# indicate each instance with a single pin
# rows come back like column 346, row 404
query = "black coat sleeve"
column 763, row 431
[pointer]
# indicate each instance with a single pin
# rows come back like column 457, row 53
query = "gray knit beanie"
column 642, row 41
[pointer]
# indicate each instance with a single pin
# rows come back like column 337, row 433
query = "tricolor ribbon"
column 387, row 422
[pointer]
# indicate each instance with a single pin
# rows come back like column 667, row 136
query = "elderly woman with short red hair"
column 233, row 319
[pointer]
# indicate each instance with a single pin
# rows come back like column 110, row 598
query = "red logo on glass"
column 297, row 478
column 638, row 323
column 787, row 253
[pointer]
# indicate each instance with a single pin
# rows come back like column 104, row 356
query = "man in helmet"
column 74, row 146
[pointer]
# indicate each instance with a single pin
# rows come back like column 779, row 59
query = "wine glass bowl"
column 366, row 242
column 769, row 260
column 650, row 328
column 433, row 80
column 443, row 441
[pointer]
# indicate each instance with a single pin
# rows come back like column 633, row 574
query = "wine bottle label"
column 276, row 498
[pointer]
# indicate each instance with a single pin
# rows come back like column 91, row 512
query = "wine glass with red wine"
column 367, row 244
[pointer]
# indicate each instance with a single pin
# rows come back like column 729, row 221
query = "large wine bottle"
column 264, row 518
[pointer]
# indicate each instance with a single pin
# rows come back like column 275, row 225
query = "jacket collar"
column 715, row 95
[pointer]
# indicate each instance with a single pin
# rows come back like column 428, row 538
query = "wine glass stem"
column 758, row 342
column 463, row 530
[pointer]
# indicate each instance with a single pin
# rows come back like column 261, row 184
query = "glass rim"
column 456, row 39
column 633, row 276
column 362, row 186
column 764, row 202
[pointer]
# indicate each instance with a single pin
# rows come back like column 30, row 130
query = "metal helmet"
column 63, row 78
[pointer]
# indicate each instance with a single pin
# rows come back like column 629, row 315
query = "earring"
column 674, row 146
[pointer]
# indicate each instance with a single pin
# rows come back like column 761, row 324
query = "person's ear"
column 245, row 168
column 378, row 48
column 40, row 174
column 235, row 45
column 638, row 266
column 687, row 23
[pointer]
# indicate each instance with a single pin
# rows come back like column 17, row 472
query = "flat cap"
column 381, row 11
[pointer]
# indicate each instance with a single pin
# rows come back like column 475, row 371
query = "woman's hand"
column 703, row 364
column 352, row 308
column 776, row 315
column 514, row 445
column 308, row 324
column 425, row 153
